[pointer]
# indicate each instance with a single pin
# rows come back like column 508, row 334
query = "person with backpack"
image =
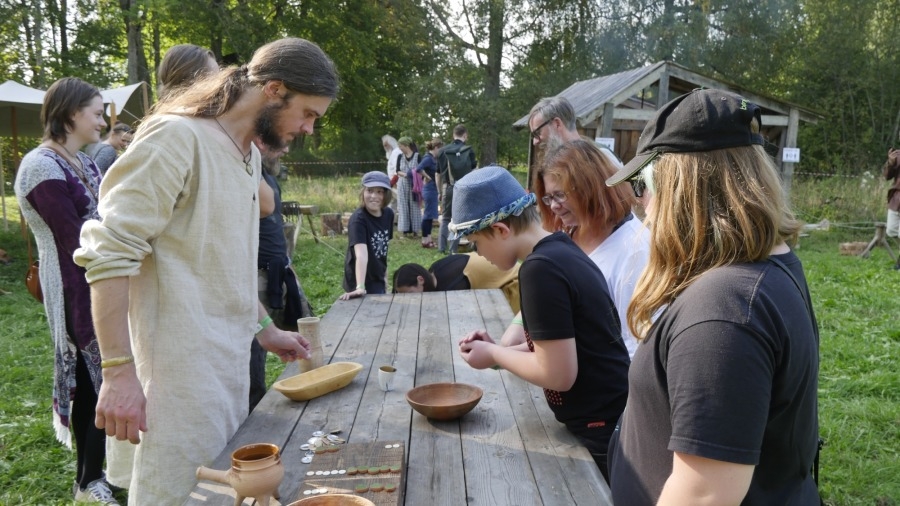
column 455, row 161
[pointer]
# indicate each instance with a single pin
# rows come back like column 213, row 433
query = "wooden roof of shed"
column 626, row 88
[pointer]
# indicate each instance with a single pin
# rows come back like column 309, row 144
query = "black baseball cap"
column 702, row 120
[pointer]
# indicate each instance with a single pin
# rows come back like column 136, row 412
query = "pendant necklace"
column 76, row 162
column 246, row 158
column 78, row 167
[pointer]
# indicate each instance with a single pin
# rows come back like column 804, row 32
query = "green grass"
column 854, row 299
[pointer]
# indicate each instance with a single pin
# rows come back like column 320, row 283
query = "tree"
column 850, row 65
column 134, row 15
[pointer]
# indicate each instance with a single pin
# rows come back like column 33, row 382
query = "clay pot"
column 256, row 471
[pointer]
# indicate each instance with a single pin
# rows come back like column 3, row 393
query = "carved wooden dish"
column 444, row 401
column 319, row 381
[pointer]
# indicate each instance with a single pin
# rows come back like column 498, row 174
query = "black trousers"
column 90, row 442
column 596, row 440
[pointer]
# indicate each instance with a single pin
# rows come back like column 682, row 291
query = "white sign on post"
column 790, row 155
column 607, row 142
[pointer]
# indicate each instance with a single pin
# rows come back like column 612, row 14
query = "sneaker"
column 114, row 489
column 96, row 492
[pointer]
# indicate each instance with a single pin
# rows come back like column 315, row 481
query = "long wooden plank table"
column 509, row 450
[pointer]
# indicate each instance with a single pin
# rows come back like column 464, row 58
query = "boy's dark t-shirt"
column 728, row 372
column 374, row 232
column 564, row 295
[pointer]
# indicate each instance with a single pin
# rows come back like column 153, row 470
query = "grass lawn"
column 854, row 299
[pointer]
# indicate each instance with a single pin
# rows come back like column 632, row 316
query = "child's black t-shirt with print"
column 374, row 232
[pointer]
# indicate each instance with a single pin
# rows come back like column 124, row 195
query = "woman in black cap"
column 722, row 404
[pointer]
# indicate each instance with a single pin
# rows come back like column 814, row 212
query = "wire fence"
column 349, row 165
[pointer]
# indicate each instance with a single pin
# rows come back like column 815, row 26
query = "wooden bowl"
column 444, row 401
column 333, row 500
column 319, row 381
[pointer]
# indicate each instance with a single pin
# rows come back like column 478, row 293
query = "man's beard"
column 552, row 144
column 271, row 165
column 265, row 126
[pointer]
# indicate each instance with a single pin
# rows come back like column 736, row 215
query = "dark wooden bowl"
column 334, row 500
column 444, row 401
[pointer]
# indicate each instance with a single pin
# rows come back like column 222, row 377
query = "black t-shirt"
column 450, row 274
column 272, row 244
column 374, row 232
column 728, row 372
column 564, row 295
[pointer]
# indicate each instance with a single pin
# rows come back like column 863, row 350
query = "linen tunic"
column 180, row 218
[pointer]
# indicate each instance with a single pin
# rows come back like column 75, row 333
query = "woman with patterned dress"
column 409, row 215
column 57, row 189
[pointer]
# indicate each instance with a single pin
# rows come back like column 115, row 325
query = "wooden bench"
column 880, row 239
column 292, row 212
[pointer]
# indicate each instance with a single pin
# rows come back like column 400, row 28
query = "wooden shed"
column 618, row 106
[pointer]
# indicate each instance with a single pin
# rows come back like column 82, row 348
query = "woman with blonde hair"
column 573, row 197
column 722, row 405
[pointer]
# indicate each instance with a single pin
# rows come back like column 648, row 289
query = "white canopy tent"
column 129, row 103
column 20, row 115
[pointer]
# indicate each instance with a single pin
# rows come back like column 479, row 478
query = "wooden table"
column 509, row 450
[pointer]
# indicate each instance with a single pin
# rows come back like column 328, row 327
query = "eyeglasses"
column 536, row 133
column 558, row 197
column 638, row 185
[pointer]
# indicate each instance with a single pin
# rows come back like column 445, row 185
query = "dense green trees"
column 418, row 67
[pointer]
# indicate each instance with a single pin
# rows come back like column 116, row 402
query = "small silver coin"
column 318, row 433
column 307, row 460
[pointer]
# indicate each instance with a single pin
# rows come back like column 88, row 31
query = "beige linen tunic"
column 180, row 218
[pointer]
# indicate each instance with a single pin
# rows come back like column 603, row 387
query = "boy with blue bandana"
column 573, row 348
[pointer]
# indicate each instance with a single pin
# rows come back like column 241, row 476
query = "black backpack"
column 458, row 162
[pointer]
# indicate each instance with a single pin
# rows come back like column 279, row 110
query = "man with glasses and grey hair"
column 551, row 123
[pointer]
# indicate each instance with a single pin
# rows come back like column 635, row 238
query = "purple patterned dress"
column 55, row 201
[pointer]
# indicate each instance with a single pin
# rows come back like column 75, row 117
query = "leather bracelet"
column 112, row 362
